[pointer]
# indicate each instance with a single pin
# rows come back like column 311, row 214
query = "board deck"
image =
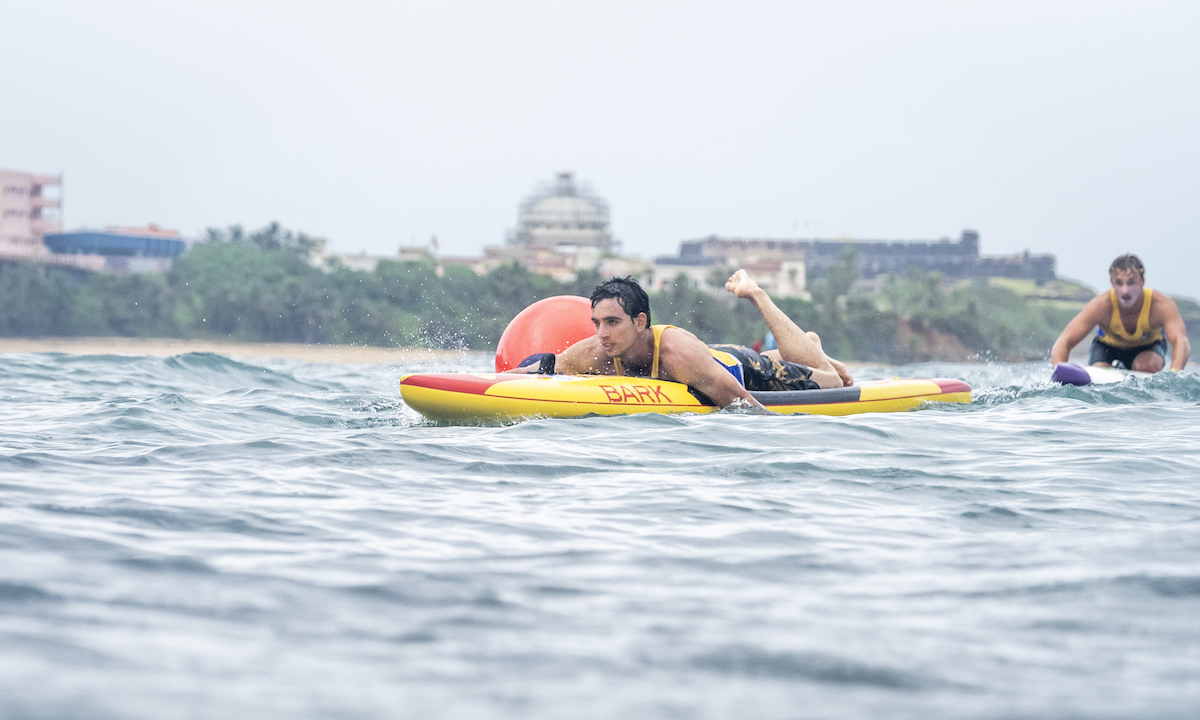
column 1072, row 374
column 457, row 397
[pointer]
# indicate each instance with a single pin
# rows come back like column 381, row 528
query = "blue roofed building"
column 124, row 249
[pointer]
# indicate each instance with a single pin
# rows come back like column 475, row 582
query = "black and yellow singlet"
column 1115, row 334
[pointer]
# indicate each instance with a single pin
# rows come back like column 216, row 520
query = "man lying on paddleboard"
column 1132, row 320
column 626, row 343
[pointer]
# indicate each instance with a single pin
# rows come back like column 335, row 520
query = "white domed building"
column 562, row 229
column 564, row 218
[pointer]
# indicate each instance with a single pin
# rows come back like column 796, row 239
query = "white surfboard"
column 1071, row 374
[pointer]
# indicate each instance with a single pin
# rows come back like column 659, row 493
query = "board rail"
column 467, row 397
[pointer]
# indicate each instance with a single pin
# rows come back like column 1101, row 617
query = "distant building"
column 150, row 241
column 562, row 228
column 31, row 207
column 957, row 259
column 563, row 217
column 776, row 265
column 954, row 259
column 123, row 249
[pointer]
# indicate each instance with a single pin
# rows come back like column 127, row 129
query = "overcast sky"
column 1069, row 127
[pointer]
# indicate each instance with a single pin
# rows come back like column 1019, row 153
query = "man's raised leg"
column 795, row 345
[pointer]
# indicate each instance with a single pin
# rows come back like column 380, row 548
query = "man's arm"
column 688, row 361
column 1094, row 313
column 1167, row 313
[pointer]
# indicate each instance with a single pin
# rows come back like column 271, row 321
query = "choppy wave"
column 200, row 536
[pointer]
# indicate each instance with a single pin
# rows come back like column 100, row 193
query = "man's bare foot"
column 838, row 366
column 742, row 285
column 842, row 371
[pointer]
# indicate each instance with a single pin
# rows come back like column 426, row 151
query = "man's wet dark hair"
column 631, row 297
column 1128, row 261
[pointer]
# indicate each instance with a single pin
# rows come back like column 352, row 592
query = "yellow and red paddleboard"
column 458, row 397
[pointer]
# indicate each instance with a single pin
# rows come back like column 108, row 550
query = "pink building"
column 31, row 207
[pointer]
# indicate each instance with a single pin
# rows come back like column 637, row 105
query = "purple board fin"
column 1069, row 374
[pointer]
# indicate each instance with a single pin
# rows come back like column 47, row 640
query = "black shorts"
column 764, row 373
column 1122, row 357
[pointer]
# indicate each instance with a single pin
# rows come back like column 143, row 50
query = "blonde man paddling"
column 626, row 343
column 1133, row 320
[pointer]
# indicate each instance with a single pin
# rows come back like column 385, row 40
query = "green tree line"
column 259, row 286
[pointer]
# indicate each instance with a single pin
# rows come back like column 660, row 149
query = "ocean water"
column 205, row 537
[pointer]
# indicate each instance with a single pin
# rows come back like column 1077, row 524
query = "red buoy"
column 547, row 326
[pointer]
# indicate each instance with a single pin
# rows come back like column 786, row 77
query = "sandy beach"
column 166, row 347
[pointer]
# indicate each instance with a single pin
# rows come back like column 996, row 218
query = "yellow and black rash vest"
column 1115, row 334
column 724, row 359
